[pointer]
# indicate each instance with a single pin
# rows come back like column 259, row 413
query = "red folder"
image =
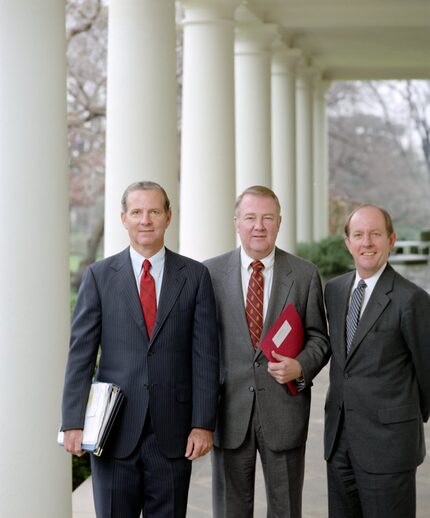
column 285, row 337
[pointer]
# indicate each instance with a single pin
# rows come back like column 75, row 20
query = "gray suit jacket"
column 175, row 374
column 244, row 376
column 384, row 383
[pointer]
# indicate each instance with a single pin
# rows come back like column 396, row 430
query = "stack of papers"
column 103, row 404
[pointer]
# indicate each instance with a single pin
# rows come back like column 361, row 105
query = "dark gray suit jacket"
column 175, row 374
column 384, row 383
column 244, row 376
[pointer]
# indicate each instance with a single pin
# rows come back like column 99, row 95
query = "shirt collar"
column 157, row 260
column 370, row 281
column 246, row 261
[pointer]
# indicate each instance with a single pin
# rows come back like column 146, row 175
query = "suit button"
column 346, row 375
column 251, row 389
column 256, row 364
column 146, row 386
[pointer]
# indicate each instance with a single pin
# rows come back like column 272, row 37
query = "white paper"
column 281, row 333
column 95, row 415
column 97, row 404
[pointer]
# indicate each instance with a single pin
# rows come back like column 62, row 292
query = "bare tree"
column 373, row 152
column 418, row 102
column 86, row 28
column 409, row 102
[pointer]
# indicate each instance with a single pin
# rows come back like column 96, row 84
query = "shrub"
column 81, row 469
column 330, row 255
column 425, row 235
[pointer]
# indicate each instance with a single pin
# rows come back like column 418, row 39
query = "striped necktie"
column 254, row 303
column 353, row 316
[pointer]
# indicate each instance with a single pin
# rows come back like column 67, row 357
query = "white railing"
column 410, row 252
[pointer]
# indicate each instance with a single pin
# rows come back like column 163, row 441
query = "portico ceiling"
column 355, row 39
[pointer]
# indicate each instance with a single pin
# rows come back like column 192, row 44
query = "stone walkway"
column 314, row 493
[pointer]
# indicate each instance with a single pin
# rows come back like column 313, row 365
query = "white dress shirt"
column 370, row 285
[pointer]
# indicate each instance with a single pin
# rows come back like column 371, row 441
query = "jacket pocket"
column 398, row 414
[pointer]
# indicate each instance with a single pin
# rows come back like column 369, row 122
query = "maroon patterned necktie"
column 147, row 297
column 254, row 303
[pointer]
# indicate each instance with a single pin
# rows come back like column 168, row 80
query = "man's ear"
column 347, row 243
column 169, row 217
column 236, row 224
column 123, row 219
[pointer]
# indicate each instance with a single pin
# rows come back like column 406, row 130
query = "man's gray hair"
column 257, row 190
column 145, row 185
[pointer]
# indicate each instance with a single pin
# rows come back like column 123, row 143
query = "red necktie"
column 147, row 297
column 254, row 303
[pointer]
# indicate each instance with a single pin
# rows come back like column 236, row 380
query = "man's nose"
column 367, row 239
column 145, row 219
column 259, row 223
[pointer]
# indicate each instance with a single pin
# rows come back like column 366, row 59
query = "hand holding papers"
column 103, row 404
column 286, row 337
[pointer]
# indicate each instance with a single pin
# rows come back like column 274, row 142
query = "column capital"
column 306, row 76
column 200, row 11
column 253, row 36
column 322, row 85
column 306, row 71
column 284, row 59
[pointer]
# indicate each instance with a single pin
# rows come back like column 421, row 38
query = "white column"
column 141, row 133
column 253, row 91
column 305, row 200
column 320, row 166
column 207, row 154
column 284, row 142
column 35, row 473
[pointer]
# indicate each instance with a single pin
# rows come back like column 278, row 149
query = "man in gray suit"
column 379, row 391
column 168, row 370
column 256, row 410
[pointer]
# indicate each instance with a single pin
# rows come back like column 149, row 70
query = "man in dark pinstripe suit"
column 170, row 378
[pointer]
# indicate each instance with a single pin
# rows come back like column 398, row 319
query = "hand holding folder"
column 286, row 337
column 103, row 404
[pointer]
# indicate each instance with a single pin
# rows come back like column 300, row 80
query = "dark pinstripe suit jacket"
column 175, row 374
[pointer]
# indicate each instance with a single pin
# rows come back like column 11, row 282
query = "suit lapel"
column 128, row 288
column 377, row 303
column 338, row 318
column 233, row 296
column 172, row 284
column 282, row 283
